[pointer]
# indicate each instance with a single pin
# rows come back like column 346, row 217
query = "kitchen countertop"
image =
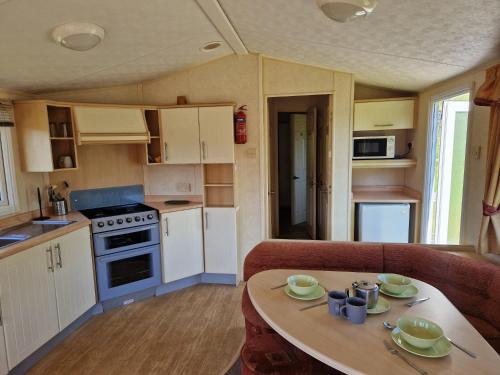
column 158, row 202
column 80, row 221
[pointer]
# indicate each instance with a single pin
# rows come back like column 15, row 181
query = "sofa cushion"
column 314, row 255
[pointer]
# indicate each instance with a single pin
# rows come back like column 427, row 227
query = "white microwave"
column 382, row 147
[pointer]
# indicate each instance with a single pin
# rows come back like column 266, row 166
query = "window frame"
column 7, row 173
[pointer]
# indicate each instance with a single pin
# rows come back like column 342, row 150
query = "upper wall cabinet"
column 216, row 134
column 384, row 114
column 110, row 124
column 46, row 136
column 181, row 135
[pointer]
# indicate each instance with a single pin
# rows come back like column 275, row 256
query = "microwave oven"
column 382, row 147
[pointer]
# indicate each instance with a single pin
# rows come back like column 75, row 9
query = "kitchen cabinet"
column 182, row 250
column 4, row 368
column 181, row 135
column 384, row 114
column 43, row 290
column 216, row 134
column 221, row 243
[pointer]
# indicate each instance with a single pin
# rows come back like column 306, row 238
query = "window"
column 7, row 180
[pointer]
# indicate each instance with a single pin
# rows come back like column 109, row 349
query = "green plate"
column 440, row 349
column 381, row 307
column 410, row 292
column 318, row 293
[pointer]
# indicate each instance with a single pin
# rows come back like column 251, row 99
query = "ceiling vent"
column 346, row 10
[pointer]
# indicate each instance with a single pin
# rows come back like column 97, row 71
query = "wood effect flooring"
column 197, row 330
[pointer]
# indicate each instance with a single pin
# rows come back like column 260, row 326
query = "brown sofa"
column 472, row 286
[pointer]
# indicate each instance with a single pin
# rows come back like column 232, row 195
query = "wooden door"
column 182, row 252
column 74, row 275
column 298, row 133
column 29, row 310
column 181, row 136
column 273, row 173
column 220, row 240
column 4, row 368
column 216, row 134
column 312, row 119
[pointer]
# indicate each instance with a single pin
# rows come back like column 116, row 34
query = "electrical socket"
column 183, row 187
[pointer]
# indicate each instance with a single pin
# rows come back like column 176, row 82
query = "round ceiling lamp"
column 78, row 36
column 346, row 10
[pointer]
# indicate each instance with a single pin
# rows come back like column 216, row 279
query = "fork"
column 396, row 352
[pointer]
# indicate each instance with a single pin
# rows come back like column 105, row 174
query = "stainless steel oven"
column 382, row 147
column 126, row 239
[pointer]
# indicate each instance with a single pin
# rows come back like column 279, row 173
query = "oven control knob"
column 110, row 222
column 128, row 219
column 119, row 221
column 137, row 218
column 100, row 224
column 150, row 216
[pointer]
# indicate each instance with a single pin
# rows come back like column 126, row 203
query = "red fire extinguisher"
column 240, row 126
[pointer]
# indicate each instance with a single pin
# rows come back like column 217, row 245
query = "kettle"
column 366, row 290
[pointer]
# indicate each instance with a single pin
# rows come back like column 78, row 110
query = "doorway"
column 299, row 166
column 446, row 169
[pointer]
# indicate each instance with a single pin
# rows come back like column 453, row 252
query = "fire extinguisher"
column 240, row 126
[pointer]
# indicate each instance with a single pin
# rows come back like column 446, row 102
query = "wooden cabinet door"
column 28, row 298
column 182, row 253
column 216, row 134
column 74, row 275
column 220, row 240
column 384, row 114
column 181, row 135
column 4, row 368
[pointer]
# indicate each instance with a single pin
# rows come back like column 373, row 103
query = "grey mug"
column 354, row 310
column 336, row 300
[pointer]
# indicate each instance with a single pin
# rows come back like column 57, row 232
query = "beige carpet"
column 198, row 330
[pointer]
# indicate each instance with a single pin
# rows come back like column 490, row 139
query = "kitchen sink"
column 53, row 222
column 30, row 229
column 9, row 240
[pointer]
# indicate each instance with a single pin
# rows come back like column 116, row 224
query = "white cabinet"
column 74, row 276
column 221, row 249
column 4, row 368
column 216, row 134
column 384, row 114
column 182, row 251
column 44, row 289
column 181, row 135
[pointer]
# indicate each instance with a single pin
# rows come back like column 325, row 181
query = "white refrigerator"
column 384, row 222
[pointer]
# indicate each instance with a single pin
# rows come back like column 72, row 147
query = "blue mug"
column 336, row 300
column 354, row 310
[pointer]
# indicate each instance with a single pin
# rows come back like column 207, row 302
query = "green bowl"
column 419, row 332
column 302, row 285
column 394, row 283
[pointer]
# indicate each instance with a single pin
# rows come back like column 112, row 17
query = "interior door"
column 181, row 136
column 273, row 193
column 298, row 124
column 312, row 119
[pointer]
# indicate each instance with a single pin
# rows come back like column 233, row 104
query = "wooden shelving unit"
column 218, row 184
column 384, row 163
column 62, row 136
column 153, row 149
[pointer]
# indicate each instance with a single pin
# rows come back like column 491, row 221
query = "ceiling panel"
column 404, row 44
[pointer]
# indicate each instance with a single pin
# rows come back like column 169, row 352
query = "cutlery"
column 396, row 352
column 312, row 306
column 417, row 301
column 279, row 286
column 466, row 351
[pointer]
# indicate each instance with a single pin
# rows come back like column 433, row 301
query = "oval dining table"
column 359, row 348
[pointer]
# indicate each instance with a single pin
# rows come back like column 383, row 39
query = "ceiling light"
column 78, row 36
column 210, row 46
column 346, row 10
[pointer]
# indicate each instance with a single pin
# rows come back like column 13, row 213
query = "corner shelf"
column 384, row 163
column 62, row 140
column 218, row 183
column 153, row 149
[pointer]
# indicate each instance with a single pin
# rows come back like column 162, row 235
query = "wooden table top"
column 359, row 349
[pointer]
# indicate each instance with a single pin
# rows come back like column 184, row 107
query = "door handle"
column 295, row 177
column 165, row 149
column 206, row 220
column 166, row 227
column 57, row 247
column 204, row 150
column 50, row 266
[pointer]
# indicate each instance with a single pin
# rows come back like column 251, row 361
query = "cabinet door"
column 384, row 115
column 4, row 369
column 74, row 275
column 181, row 135
column 182, row 253
column 220, row 240
column 217, row 134
column 28, row 298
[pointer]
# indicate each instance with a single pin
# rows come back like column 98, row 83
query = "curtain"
column 489, row 95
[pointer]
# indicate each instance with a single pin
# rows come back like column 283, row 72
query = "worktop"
column 158, row 202
column 80, row 221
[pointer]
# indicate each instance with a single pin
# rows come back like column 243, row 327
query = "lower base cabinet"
column 43, row 290
column 4, row 369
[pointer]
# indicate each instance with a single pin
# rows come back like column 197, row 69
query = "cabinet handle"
column 206, row 220
column 166, row 227
column 165, row 149
column 204, row 149
column 383, row 125
column 51, row 259
column 58, row 255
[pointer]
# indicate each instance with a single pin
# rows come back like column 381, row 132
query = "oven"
column 382, row 147
column 126, row 239
column 128, row 271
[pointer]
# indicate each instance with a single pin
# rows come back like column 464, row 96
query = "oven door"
column 370, row 148
column 128, row 271
column 126, row 239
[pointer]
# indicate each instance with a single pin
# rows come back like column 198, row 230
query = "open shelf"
column 219, row 196
column 218, row 174
column 153, row 122
column 153, row 149
column 384, row 163
column 219, row 185
column 62, row 139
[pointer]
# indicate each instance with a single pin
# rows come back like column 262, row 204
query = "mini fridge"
column 383, row 222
